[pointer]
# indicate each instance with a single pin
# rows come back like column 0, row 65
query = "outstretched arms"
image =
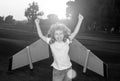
column 76, row 30
column 37, row 21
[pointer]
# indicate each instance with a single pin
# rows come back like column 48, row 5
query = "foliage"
column 103, row 12
column 31, row 12
column 53, row 18
column 9, row 19
column 1, row 19
column 73, row 8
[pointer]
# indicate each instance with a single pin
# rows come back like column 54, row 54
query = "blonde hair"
column 58, row 26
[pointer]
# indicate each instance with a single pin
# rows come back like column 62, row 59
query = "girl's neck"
column 59, row 41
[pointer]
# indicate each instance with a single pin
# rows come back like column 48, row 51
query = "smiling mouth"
column 59, row 38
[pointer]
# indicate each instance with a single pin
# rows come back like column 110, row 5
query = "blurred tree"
column 53, row 18
column 31, row 12
column 9, row 19
column 73, row 9
column 1, row 19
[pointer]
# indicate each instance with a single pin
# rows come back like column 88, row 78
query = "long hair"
column 58, row 26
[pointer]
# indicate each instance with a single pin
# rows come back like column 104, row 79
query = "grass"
column 12, row 41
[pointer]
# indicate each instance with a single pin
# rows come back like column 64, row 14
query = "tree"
column 73, row 9
column 1, row 19
column 53, row 18
column 9, row 19
column 31, row 12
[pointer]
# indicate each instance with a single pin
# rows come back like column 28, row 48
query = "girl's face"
column 59, row 35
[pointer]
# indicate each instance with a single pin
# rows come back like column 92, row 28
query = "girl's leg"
column 58, row 75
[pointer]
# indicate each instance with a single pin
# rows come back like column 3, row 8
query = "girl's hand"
column 80, row 17
column 37, row 20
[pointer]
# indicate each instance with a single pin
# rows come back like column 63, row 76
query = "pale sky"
column 17, row 7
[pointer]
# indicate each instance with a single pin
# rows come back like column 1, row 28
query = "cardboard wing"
column 79, row 54
column 40, row 50
column 35, row 52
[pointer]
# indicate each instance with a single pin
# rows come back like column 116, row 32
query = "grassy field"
column 13, row 40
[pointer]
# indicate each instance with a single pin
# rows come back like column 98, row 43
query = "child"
column 59, row 37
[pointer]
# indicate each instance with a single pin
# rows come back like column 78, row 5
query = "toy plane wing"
column 39, row 50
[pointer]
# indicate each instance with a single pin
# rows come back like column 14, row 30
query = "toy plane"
column 39, row 50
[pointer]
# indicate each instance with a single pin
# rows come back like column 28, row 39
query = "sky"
column 17, row 7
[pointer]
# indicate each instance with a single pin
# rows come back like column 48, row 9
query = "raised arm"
column 76, row 30
column 37, row 21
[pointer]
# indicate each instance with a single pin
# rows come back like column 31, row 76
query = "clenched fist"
column 80, row 17
column 37, row 20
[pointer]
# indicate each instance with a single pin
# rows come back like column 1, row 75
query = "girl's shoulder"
column 50, row 40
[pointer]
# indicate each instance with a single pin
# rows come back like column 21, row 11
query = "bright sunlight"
column 17, row 7
column 57, row 7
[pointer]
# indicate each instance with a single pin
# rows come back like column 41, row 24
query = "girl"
column 59, row 37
